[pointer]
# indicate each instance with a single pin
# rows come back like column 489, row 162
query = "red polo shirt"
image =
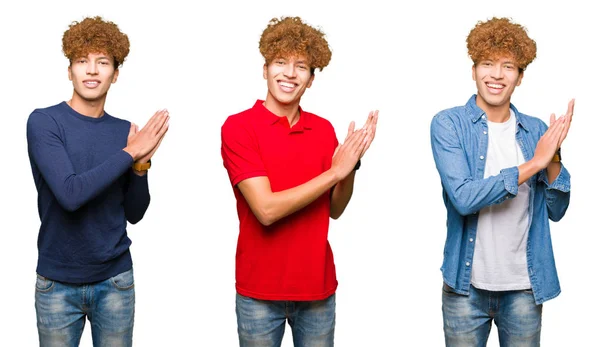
column 290, row 259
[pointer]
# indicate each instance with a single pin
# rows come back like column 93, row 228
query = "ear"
column 115, row 76
column 69, row 73
column 473, row 72
column 521, row 74
column 265, row 71
column 310, row 81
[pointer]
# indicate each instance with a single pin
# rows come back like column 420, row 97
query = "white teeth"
column 91, row 82
column 286, row 84
column 493, row 85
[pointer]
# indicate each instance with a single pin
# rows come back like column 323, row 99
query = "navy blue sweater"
column 86, row 193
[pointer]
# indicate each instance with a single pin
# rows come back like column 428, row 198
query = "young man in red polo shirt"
column 289, row 176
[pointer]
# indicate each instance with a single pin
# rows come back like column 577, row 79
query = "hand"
column 568, row 117
column 147, row 157
column 549, row 142
column 347, row 154
column 370, row 126
column 143, row 143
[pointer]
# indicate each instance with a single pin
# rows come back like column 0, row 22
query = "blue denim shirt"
column 459, row 143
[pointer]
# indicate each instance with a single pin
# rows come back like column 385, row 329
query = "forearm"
column 137, row 197
column 552, row 171
column 269, row 206
column 528, row 170
column 341, row 195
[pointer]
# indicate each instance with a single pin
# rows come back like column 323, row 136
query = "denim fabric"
column 62, row 308
column 261, row 323
column 459, row 143
column 468, row 319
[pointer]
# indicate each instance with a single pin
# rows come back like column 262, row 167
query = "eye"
column 279, row 62
column 302, row 67
column 81, row 61
column 104, row 62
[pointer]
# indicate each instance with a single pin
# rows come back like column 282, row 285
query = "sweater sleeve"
column 48, row 153
column 137, row 197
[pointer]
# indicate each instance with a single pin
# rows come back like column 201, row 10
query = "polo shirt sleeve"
column 240, row 152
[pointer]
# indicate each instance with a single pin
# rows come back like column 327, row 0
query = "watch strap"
column 142, row 166
column 557, row 157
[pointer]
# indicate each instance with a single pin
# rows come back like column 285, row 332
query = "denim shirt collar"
column 476, row 112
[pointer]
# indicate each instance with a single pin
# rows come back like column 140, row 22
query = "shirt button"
column 482, row 117
column 468, row 264
column 485, row 133
column 481, row 157
column 471, row 239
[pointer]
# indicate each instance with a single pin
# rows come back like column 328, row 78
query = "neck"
column 494, row 113
column 93, row 108
column 290, row 111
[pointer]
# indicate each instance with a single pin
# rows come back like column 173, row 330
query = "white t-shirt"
column 500, row 261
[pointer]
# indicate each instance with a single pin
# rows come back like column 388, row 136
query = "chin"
column 285, row 101
column 493, row 100
column 92, row 98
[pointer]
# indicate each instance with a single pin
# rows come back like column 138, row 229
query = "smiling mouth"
column 494, row 85
column 91, row 84
column 287, row 86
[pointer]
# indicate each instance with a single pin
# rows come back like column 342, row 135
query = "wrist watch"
column 142, row 166
column 357, row 166
column 557, row 157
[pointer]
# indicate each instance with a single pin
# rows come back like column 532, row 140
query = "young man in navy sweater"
column 90, row 171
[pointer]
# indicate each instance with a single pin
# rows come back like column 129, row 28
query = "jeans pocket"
column 447, row 290
column 124, row 280
column 43, row 284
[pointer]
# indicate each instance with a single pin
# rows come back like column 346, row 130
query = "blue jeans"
column 261, row 323
column 62, row 308
column 468, row 319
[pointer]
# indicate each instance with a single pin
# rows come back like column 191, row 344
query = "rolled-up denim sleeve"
column 558, row 193
column 468, row 194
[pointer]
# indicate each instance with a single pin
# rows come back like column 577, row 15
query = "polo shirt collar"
column 270, row 118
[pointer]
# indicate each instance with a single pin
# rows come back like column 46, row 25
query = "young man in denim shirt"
column 502, row 180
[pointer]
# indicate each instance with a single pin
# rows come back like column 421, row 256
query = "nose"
column 289, row 70
column 496, row 71
column 92, row 68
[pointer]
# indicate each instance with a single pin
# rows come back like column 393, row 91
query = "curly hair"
column 289, row 36
column 94, row 35
column 500, row 36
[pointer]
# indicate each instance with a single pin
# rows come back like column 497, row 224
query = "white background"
column 203, row 64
